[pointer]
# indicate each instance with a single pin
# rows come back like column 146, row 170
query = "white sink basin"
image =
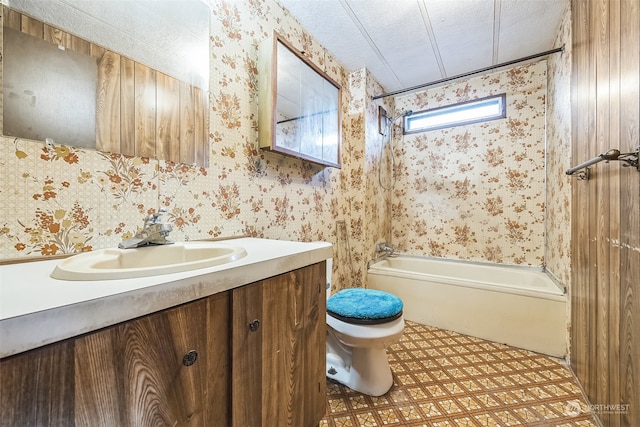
column 107, row 264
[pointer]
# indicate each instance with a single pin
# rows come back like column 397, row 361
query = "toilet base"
column 365, row 370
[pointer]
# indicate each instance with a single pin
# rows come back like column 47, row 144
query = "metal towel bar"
column 630, row 159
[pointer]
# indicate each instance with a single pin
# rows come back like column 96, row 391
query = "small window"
column 464, row 113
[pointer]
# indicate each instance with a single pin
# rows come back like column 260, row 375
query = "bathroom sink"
column 107, row 264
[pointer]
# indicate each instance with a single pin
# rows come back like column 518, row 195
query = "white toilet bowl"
column 356, row 355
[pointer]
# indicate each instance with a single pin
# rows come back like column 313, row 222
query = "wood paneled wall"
column 605, row 303
column 139, row 111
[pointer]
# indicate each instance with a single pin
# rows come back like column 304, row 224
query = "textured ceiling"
column 405, row 43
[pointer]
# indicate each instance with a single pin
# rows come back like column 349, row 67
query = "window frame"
column 457, row 106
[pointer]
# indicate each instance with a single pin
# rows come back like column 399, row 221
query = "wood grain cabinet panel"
column 284, row 353
column 36, row 388
column 315, row 338
column 260, row 362
column 218, row 391
column 246, row 350
column 131, row 374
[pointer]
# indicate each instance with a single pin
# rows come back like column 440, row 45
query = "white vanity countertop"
column 36, row 309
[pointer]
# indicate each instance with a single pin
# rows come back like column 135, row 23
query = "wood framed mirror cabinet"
column 300, row 105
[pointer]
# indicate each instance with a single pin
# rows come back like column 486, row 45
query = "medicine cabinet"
column 299, row 105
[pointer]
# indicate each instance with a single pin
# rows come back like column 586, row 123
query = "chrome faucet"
column 154, row 232
column 384, row 248
column 383, row 251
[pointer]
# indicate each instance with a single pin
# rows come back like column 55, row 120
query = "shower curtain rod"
column 482, row 70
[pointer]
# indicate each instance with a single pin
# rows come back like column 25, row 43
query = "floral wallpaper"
column 558, row 221
column 61, row 199
column 475, row 192
column 377, row 168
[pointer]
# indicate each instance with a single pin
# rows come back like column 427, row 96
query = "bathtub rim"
column 559, row 293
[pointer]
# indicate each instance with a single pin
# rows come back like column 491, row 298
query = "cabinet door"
column 131, row 374
column 278, row 363
column 152, row 370
column 36, row 387
column 246, row 356
column 314, row 335
column 218, row 385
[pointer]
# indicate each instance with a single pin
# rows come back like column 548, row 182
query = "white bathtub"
column 517, row 306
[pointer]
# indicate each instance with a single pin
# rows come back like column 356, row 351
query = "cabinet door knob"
column 254, row 326
column 190, row 358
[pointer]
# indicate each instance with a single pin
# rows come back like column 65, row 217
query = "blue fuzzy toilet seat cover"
column 364, row 306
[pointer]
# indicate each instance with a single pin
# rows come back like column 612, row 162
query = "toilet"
column 361, row 323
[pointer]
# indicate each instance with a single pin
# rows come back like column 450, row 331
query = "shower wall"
column 475, row 192
column 377, row 165
column 558, row 192
column 368, row 206
column 366, row 210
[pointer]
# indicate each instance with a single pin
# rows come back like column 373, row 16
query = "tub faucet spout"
column 384, row 248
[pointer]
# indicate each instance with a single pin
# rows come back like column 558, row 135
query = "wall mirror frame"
column 299, row 105
column 129, row 108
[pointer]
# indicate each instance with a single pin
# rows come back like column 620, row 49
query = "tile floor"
column 443, row 378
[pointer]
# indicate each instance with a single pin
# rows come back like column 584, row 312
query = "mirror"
column 30, row 109
column 129, row 77
column 299, row 105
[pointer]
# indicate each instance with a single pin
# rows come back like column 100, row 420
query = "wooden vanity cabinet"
column 145, row 372
column 278, row 350
column 160, row 369
column 156, row 370
column 37, row 387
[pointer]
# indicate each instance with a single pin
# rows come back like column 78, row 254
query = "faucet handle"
column 154, row 218
column 165, row 229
